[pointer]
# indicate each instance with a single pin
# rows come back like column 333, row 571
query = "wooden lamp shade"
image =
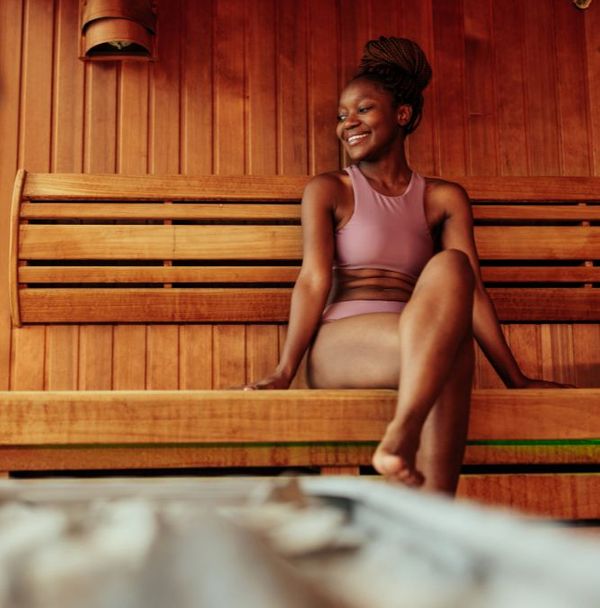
column 118, row 29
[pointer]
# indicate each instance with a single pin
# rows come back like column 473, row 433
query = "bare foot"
column 395, row 456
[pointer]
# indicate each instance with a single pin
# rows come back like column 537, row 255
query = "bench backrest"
column 112, row 248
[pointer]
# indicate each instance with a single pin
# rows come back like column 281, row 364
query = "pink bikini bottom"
column 350, row 308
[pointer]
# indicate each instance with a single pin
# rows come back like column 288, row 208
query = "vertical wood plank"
column 67, row 127
column 197, row 88
column 450, row 94
column 525, row 343
column 101, row 117
column 36, row 86
column 509, row 31
column 165, row 92
column 11, row 14
column 557, row 352
column 162, row 357
column 572, row 98
column 540, row 89
column 132, row 156
column 417, row 24
column 95, row 357
column 261, row 137
column 229, row 356
column 586, row 354
column 479, row 89
column 383, row 18
column 28, row 359
column 323, row 87
column 354, row 34
column 292, row 74
column 592, row 27
column 195, row 357
column 62, row 357
column 262, row 351
column 229, row 133
column 129, row 357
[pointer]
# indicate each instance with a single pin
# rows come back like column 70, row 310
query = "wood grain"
column 129, row 357
column 128, row 417
column 566, row 496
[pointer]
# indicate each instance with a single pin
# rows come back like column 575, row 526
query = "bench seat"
column 216, row 252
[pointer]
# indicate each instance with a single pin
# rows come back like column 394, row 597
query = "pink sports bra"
column 386, row 232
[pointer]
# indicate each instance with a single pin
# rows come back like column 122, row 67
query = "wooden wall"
column 251, row 87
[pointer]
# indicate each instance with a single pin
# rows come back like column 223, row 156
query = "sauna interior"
column 250, row 88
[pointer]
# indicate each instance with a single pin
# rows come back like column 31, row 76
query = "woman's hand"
column 276, row 381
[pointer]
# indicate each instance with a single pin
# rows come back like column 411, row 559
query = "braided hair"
column 400, row 67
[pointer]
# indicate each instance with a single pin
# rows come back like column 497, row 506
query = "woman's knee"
column 453, row 265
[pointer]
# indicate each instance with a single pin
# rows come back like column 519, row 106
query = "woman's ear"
column 404, row 114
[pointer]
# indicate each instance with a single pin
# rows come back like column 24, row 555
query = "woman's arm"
column 314, row 281
column 457, row 233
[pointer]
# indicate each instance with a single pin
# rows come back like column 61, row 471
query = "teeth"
column 353, row 139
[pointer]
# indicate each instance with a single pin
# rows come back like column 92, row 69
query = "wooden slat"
column 13, row 246
column 233, row 211
column 545, row 304
column 27, row 358
column 534, row 274
column 154, row 305
column 129, row 417
column 274, row 242
column 166, row 274
column 147, row 211
column 537, row 212
column 162, row 357
column 566, row 496
column 129, row 357
column 82, row 305
column 533, row 453
column 61, row 368
column 160, row 242
column 229, row 356
column 64, row 186
column 56, row 458
column 538, row 243
column 95, row 357
column 195, row 357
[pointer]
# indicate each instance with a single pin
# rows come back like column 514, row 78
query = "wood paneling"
column 244, row 87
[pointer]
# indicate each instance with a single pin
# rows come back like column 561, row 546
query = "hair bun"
column 399, row 55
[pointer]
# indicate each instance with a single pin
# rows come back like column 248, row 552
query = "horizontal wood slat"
column 559, row 496
column 159, row 274
column 274, row 242
column 538, row 243
column 546, row 304
column 540, row 274
column 270, row 274
column 63, row 305
column 227, row 305
column 258, row 211
column 160, row 242
column 129, row 417
column 537, row 212
column 61, row 186
column 281, row 188
column 145, row 211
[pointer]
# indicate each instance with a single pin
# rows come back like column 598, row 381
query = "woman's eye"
column 341, row 117
column 364, row 109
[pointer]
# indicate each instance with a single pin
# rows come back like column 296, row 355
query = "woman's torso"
column 382, row 240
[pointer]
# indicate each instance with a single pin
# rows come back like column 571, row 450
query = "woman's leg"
column 433, row 328
column 430, row 349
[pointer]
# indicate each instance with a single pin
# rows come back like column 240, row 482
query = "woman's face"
column 368, row 123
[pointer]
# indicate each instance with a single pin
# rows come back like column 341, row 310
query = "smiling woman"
column 390, row 293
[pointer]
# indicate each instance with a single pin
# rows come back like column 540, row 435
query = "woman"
column 407, row 295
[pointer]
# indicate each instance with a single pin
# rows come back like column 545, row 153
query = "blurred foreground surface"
column 285, row 543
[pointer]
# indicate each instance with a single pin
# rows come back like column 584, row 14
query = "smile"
column 356, row 139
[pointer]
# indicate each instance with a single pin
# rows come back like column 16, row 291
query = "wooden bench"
column 222, row 253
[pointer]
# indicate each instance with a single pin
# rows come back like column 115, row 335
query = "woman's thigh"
column 361, row 351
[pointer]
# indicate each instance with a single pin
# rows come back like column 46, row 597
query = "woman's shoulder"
column 328, row 184
column 446, row 192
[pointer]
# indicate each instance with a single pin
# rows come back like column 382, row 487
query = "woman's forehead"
column 361, row 88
